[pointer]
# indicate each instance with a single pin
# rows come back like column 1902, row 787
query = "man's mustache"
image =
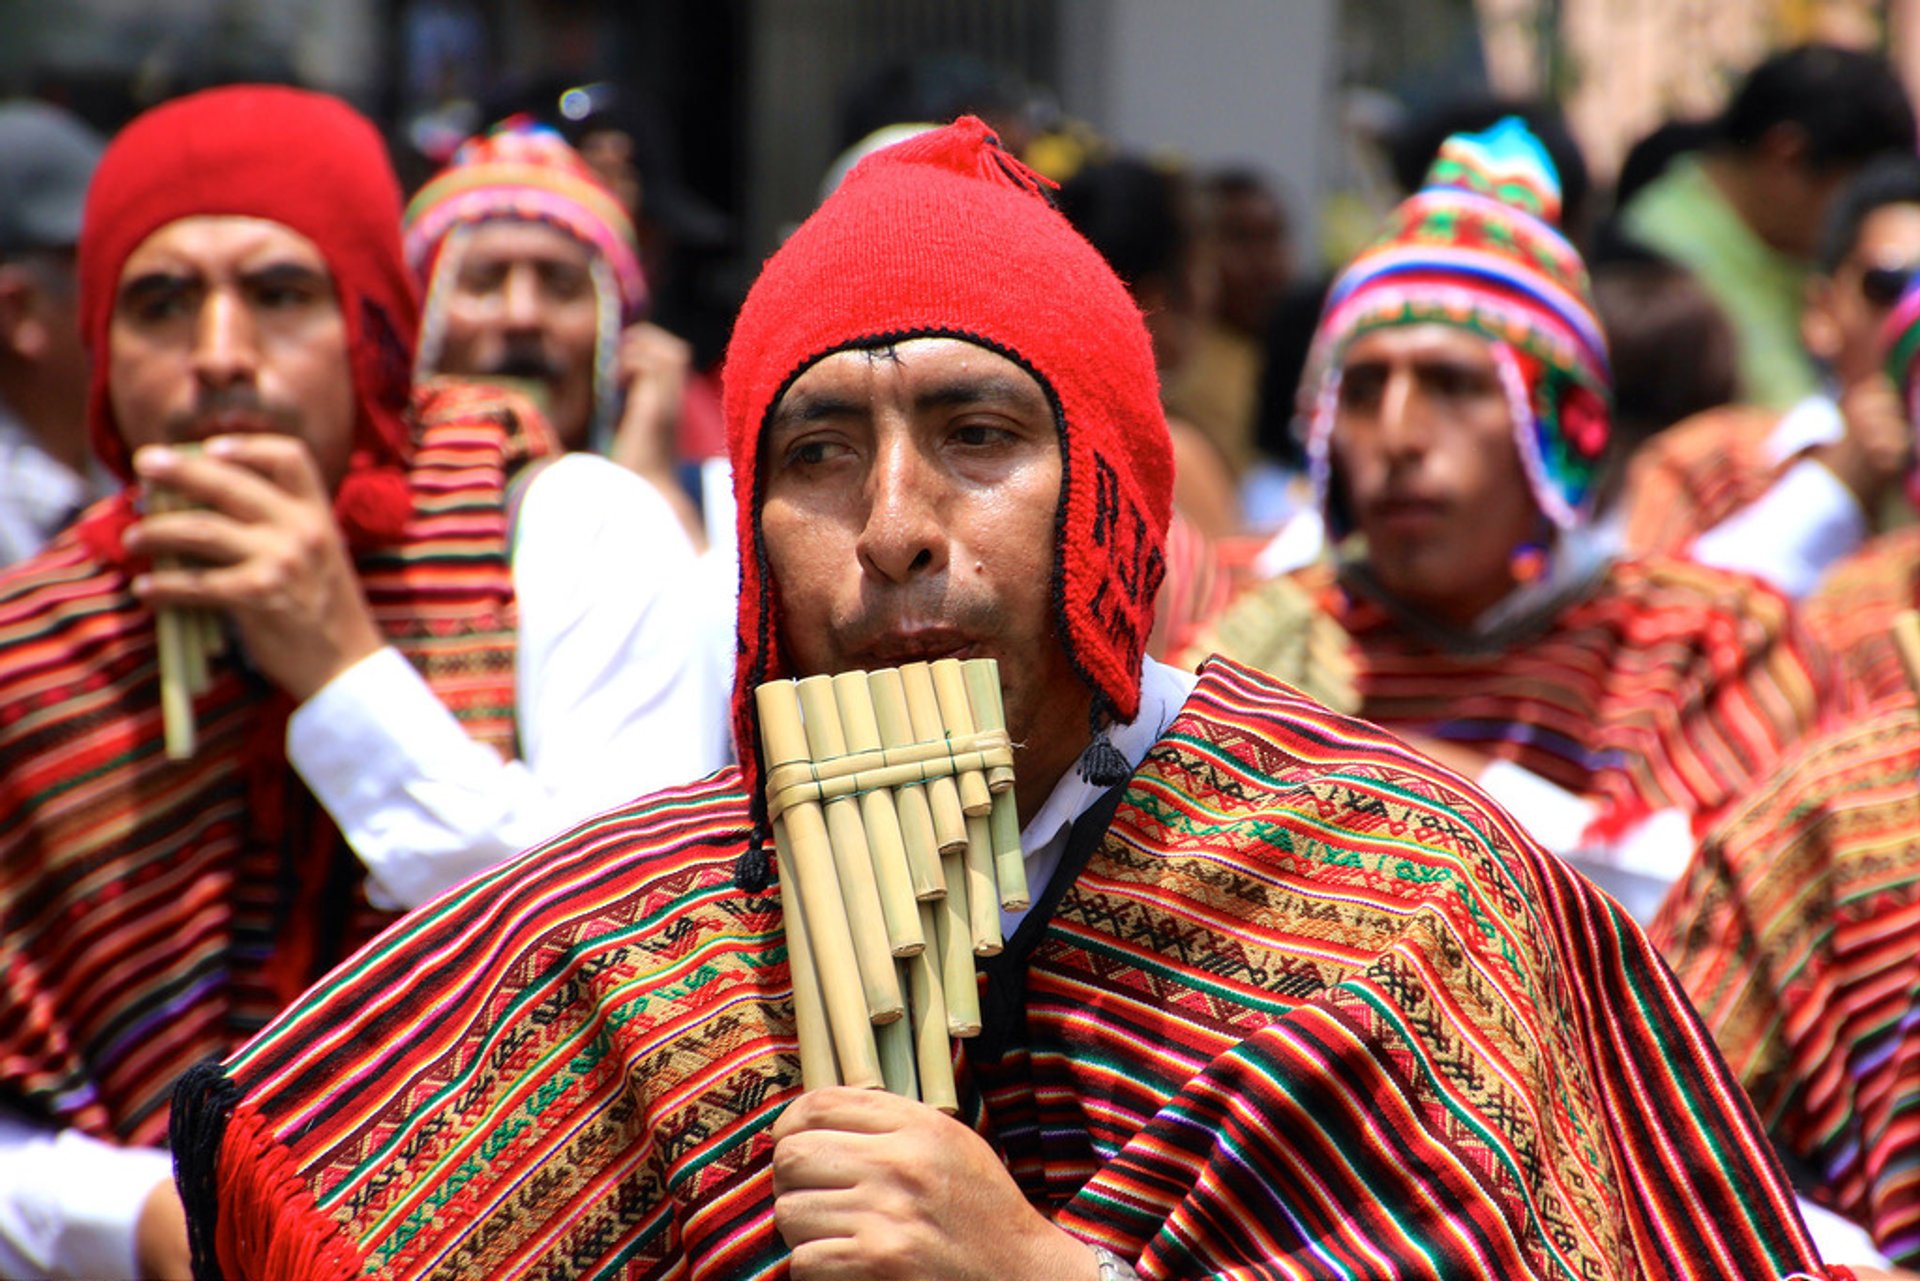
column 236, row 401
column 527, row 363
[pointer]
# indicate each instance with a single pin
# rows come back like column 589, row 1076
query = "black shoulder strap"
column 1003, row 999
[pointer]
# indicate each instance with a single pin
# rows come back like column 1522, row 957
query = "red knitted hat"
column 947, row 235
column 304, row 160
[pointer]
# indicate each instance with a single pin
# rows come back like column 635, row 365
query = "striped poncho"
column 1666, row 685
column 1311, row 1008
column 1852, row 613
column 154, row 913
column 1796, row 932
column 1695, row 474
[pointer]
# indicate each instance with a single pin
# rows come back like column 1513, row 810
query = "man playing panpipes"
column 1290, row 1000
column 400, row 649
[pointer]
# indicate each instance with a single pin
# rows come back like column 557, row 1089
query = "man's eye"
column 283, row 297
column 980, row 435
column 481, row 280
column 564, row 284
column 154, row 305
column 1360, row 389
column 811, row 453
column 161, row 307
column 1457, row 384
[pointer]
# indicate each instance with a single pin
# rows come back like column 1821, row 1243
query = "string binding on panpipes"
column 898, row 846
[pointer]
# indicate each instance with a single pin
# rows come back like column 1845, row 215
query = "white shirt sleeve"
column 69, row 1204
column 1791, row 534
column 614, row 698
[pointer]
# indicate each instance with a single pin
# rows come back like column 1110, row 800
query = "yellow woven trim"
column 799, row 782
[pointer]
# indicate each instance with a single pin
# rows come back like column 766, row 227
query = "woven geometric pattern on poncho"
column 1668, row 685
column 1796, row 932
column 1852, row 612
column 1310, row 1008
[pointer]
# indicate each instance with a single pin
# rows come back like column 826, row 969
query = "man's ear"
column 23, row 324
column 1786, row 144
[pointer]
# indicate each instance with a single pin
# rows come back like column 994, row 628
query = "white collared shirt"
column 1163, row 690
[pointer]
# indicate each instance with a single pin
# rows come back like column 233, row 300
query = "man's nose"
column 520, row 302
column 225, row 341
column 1403, row 427
column 903, row 537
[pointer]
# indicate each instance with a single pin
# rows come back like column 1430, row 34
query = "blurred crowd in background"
column 715, row 123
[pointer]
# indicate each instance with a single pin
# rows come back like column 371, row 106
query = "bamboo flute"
column 828, row 933
column 819, row 1066
column 886, row 843
column 186, row 638
column 886, row 912
column 956, row 713
column 852, row 861
column 909, row 799
column 931, row 1023
column 1003, row 821
column 943, row 797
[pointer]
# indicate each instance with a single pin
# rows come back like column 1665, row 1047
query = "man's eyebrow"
column 980, row 389
column 797, row 409
column 149, row 284
column 282, row 273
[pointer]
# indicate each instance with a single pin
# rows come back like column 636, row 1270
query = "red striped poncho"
column 154, row 913
column 1797, row 933
column 1311, row 1008
column 1668, row 685
column 1852, row 613
column 1695, row 474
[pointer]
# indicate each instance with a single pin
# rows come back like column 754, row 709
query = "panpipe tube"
column 1009, row 860
column 886, row 843
column 983, row 894
column 909, row 799
column 932, row 1050
column 897, row 1054
column 817, row 887
column 954, row 941
column 178, row 635
column 943, row 795
column 956, row 713
column 847, row 843
column 818, row 1060
column 989, row 711
column 176, row 689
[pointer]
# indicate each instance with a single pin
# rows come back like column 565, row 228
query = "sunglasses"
column 1882, row 286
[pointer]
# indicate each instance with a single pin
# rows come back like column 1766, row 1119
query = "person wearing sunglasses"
column 1784, row 496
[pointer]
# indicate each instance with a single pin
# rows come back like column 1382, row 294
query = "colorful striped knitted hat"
column 947, row 235
column 522, row 169
column 1477, row 248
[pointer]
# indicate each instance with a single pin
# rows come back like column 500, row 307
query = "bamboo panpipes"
column 188, row 638
column 898, row 844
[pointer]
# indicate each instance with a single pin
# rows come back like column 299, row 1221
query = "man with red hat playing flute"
column 403, row 643
column 1289, row 1000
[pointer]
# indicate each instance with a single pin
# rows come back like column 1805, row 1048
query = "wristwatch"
column 1112, row 1266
